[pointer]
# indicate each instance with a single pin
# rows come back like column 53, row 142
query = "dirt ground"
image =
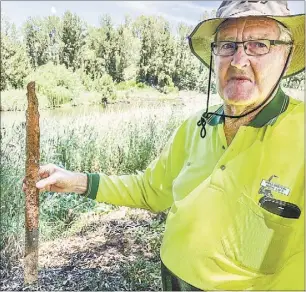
column 109, row 252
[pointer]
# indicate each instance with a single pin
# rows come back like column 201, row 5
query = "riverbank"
column 15, row 100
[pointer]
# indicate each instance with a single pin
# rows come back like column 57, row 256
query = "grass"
column 113, row 142
column 16, row 100
column 111, row 251
column 119, row 142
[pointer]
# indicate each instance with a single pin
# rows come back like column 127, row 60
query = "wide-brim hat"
column 202, row 36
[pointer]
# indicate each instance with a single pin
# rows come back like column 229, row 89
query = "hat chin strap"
column 203, row 120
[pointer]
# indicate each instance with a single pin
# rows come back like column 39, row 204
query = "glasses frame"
column 272, row 43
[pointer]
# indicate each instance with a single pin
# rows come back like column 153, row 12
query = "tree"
column 157, row 47
column 36, row 41
column 73, row 38
column 187, row 67
column 127, row 50
column 208, row 15
column 43, row 39
column 54, row 27
column 15, row 65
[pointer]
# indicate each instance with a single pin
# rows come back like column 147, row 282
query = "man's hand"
column 53, row 178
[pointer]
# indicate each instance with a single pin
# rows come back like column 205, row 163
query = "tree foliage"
column 145, row 50
column 15, row 65
column 73, row 38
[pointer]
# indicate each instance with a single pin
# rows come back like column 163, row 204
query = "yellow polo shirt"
column 217, row 236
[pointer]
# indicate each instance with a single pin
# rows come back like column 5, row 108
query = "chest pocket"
column 258, row 239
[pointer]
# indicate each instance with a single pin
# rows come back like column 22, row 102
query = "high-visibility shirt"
column 217, row 236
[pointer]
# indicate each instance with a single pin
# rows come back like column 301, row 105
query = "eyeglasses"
column 251, row 48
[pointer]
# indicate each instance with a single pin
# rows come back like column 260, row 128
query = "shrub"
column 141, row 85
column 58, row 83
column 125, row 85
column 106, row 87
column 165, row 84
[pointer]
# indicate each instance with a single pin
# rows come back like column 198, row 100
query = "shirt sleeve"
column 150, row 189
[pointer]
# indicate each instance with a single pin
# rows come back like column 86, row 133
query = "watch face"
column 281, row 208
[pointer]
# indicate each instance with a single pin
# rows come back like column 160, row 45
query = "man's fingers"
column 46, row 179
column 24, row 187
column 46, row 170
column 44, row 183
column 43, row 171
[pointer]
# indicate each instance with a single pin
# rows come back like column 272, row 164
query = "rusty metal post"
column 32, row 193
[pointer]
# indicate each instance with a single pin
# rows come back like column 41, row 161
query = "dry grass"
column 110, row 252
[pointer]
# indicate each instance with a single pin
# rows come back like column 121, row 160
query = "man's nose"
column 240, row 58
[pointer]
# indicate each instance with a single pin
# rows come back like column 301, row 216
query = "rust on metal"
column 31, row 193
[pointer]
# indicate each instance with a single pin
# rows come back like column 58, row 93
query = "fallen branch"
column 32, row 193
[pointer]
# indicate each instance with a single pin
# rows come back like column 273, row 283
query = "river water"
column 11, row 117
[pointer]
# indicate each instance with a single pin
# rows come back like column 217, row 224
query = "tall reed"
column 121, row 142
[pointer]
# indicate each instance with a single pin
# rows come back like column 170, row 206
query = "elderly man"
column 234, row 186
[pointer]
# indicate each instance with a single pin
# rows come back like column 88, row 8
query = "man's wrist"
column 81, row 183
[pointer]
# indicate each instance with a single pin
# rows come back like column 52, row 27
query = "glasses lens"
column 258, row 47
column 224, row 48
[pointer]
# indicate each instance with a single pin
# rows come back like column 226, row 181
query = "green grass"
column 113, row 142
column 120, row 142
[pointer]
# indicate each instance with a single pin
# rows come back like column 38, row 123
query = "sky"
column 188, row 12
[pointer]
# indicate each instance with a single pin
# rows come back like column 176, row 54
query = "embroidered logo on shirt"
column 267, row 186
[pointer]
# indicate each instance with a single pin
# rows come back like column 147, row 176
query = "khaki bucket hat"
column 202, row 36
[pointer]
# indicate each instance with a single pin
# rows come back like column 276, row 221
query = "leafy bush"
column 58, row 95
column 125, row 85
column 165, row 84
column 141, row 85
column 106, row 87
column 59, row 84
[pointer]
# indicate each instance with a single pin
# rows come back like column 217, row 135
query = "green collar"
column 267, row 116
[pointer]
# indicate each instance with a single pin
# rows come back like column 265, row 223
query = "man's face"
column 243, row 79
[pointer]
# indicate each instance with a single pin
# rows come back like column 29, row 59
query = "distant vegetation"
column 67, row 57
